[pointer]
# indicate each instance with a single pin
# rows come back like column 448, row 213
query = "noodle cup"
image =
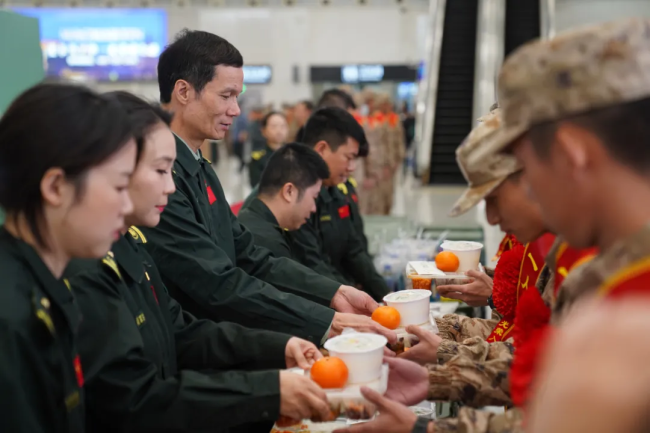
column 413, row 306
column 361, row 352
column 468, row 253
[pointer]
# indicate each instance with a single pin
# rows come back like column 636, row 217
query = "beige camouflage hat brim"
column 498, row 142
column 473, row 196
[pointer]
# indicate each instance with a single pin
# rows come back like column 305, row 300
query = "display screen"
column 362, row 73
column 257, row 74
column 102, row 44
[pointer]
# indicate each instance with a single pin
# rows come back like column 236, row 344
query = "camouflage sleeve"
column 475, row 349
column 473, row 383
column 457, row 327
column 400, row 142
column 477, row 421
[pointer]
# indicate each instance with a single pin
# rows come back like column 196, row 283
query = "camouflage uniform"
column 456, row 327
column 395, row 154
column 586, row 280
column 375, row 165
column 576, row 72
column 488, row 381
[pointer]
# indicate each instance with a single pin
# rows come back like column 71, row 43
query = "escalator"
column 523, row 23
column 453, row 114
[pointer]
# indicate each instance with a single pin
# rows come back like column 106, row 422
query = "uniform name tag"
column 326, row 218
column 344, row 211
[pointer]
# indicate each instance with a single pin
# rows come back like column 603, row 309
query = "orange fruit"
column 330, row 372
column 447, row 261
column 387, row 316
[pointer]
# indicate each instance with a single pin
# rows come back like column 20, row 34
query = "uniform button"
column 265, row 414
column 45, row 303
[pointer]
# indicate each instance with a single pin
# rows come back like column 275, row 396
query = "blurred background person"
column 301, row 113
column 395, row 150
column 377, row 168
column 239, row 136
column 275, row 131
column 289, row 113
column 254, row 138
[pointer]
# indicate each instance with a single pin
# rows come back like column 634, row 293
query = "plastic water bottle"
column 389, row 277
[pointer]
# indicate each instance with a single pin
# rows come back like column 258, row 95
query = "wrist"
column 490, row 302
column 421, row 425
column 336, row 297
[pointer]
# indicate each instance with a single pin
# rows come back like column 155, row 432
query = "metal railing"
column 490, row 46
column 547, row 18
column 426, row 100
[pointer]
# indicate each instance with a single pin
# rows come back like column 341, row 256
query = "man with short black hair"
column 301, row 113
column 340, row 98
column 337, row 137
column 290, row 185
column 208, row 260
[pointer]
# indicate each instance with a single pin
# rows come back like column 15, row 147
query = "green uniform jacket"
column 341, row 242
column 349, row 189
column 40, row 373
column 261, row 222
column 211, row 266
column 259, row 159
column 150, row 366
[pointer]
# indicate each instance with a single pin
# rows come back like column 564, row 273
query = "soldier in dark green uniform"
column 349, row 189
column 339, row 98
column 149, row 365
column 275, row 131
column 69, row 201
column 285, row 200
column 207, row 259
column 337, row 137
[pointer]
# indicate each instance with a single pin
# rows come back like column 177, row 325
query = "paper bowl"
column 468, row 253
column 413, row 306
column 364, row 363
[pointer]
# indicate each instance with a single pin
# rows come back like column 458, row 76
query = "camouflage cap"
column 576, row 72
column 485, row 176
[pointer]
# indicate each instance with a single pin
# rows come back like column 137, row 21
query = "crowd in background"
column 261, row 129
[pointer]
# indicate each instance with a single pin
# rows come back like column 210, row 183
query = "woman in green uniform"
column 275, row 130
column 150, row 365
column 66, row 155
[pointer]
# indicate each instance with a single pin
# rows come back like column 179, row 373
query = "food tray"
column 430, row 276
column 350, row 404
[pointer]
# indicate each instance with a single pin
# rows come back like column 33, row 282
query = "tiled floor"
column 424, row 205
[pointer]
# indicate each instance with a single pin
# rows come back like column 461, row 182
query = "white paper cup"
column 364, row 364
column 468, row 253
column 413, row 306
